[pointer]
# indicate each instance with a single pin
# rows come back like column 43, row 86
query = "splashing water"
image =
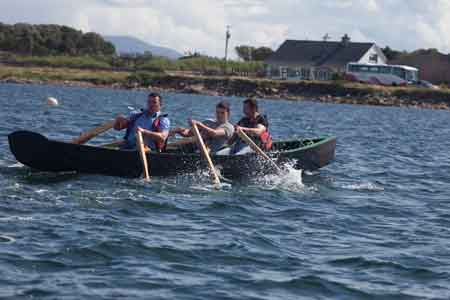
column 290, row 180
column 364, row 186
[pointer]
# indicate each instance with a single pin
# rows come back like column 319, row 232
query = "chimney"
column 345, row 40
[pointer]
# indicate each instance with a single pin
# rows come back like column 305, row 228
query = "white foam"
column 364, row 186
column 203, row 181
column 17, row 165
column 52, row 101
column 290, row 179
column 15, row 186
column 15, row 218
column 7, row 239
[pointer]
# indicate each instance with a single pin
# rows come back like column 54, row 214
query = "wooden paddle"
column 141, row 149
column 88, row 135
column 255, row 148
column 201, row 145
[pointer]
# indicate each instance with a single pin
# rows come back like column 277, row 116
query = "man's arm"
column 184, row 132
column 208, row 130
column 253, row 131
column 162, row 136
column 155, row 136
column 121, row 122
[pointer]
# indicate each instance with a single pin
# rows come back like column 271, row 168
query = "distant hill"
column 128, row 44
column 433, row 65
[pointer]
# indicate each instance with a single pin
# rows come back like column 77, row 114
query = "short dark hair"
column 224, row 105
column 252, row 103
column 156, row 95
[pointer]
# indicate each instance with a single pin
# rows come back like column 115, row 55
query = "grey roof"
column 319, row 53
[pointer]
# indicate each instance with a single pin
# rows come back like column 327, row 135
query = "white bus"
column 382, row 74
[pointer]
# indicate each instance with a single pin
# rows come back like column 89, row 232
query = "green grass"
column 63, row 74
column 87, row 62
column 201, row 64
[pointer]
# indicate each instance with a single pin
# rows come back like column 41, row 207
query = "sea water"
column 372, row 225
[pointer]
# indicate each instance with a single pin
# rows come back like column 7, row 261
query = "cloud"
column 200, row 24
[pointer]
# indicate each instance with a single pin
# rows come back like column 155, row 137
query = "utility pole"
column 227, row 37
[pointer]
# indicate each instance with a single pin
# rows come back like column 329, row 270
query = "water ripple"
column 373, row 225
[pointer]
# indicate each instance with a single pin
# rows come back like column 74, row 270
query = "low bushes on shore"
column 200, row 64
column 334, row 91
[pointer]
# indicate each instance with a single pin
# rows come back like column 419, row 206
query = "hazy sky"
column 199, row 25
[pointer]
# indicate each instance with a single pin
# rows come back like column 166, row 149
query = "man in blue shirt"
column 153, row 125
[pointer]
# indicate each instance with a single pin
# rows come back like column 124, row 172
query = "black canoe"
column 38, row 152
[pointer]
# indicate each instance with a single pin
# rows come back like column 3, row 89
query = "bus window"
column 353, row 68
column 411, row 76
column 373, row 69
column 400, row 72
column 363, row 69
column 386, row 70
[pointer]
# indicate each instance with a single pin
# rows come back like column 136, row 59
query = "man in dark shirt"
column 254, row 125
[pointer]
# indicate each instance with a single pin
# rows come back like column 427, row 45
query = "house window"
column 322, row 74
column 305, row 73
column 284, row 72
column 373, row 58
column 274, row 72
column 291, row 72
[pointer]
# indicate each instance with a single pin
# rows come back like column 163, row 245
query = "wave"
column 6, row 239
column 15, row 218
column 363, row 186
column 368, row 264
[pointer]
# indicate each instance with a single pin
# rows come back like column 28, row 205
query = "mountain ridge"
column 128, row 44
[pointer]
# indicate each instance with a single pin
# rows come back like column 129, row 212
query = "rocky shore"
column 328, row 92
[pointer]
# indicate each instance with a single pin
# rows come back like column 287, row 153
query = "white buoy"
column 52, row 101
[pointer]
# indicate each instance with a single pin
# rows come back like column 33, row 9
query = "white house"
column 319, row 60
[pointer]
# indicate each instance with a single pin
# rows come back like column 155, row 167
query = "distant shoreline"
column 326, row 92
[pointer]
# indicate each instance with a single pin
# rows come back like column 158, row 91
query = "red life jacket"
column 266, row 140
column 160, row 146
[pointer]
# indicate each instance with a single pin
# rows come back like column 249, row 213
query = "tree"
column 244, row 52
column 261, row 53
column 28, row 39
column 248, row 53
column 391, row 54
column 190, row 54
